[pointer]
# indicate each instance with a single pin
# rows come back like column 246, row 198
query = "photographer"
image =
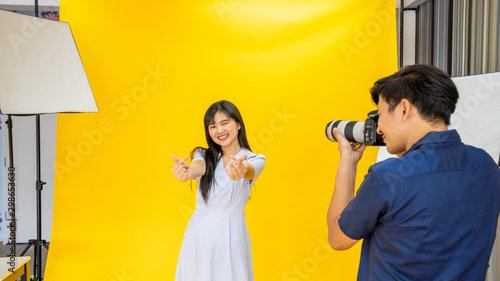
column 430, row 214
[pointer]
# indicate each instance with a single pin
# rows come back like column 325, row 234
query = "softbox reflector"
column 40, row 68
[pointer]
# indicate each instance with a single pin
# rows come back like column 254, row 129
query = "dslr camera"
column 357, row 131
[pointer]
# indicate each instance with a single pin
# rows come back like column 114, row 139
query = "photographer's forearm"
column 344, row 188
column 342, row 195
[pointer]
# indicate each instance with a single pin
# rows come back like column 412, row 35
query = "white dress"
column 216, row 245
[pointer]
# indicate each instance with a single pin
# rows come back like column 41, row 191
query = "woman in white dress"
column 216, row 245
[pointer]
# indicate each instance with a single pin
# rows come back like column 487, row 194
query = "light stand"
column 42, row 73
column 12, row 188
column 38, row 242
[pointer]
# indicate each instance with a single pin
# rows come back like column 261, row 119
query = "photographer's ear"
column 405, row 109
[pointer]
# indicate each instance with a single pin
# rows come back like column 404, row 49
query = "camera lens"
column 351, row 130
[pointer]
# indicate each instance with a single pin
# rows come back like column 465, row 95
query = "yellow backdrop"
column 155, row 67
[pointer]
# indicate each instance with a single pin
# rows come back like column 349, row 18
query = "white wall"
column 24, row 145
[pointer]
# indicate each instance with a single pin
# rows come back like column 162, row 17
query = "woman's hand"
column 236, row 169
column 181, row 170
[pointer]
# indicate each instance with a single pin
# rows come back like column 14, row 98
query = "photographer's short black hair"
column 428, row 88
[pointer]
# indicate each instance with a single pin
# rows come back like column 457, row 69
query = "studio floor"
column 5, row 251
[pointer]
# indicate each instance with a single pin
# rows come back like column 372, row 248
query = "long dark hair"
column 214, row 152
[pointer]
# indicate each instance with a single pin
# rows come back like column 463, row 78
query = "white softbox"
column 40, row 68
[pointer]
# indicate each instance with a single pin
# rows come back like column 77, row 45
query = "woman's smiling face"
column 224, row 130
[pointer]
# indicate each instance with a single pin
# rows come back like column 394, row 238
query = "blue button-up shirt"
column 430, row 215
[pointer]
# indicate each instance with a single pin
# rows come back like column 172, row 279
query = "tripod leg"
column 25, row 250
column 31, row 243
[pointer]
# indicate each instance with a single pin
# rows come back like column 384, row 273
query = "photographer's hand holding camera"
column 430, row 214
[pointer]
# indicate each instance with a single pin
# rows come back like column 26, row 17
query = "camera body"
column 357, row 131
